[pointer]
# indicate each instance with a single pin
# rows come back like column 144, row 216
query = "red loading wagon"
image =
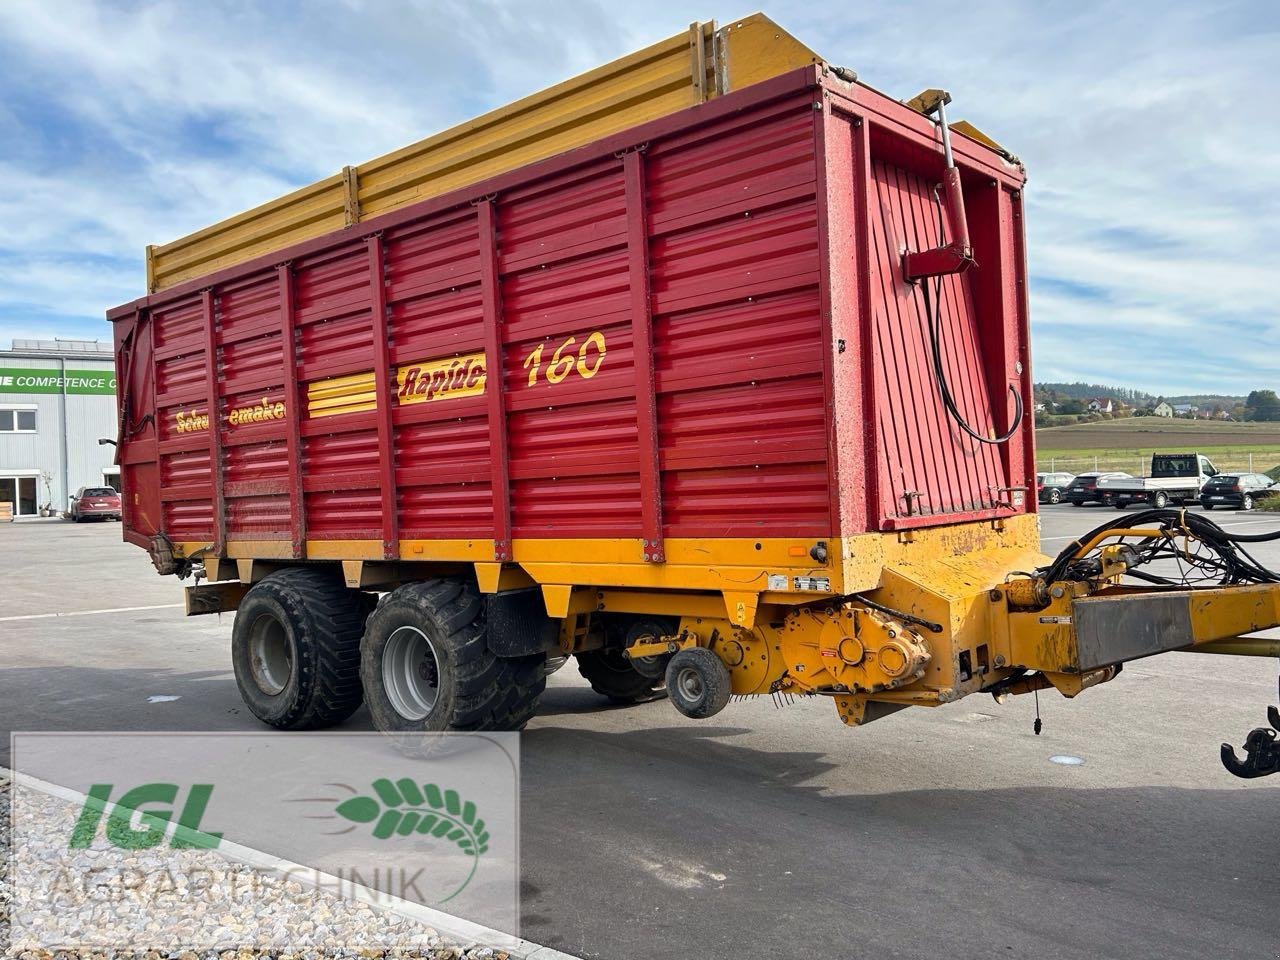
column 677, row 375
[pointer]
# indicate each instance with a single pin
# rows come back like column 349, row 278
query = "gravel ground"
column 230, row 911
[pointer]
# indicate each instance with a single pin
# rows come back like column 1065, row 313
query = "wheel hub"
column 270, row 655
column 690, row 683
column 411, row 673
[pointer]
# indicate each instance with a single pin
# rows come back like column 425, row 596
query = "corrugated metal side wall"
column 738, row 332
column 732, row 327
column 637, row 341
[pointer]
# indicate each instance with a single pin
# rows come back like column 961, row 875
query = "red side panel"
column 738, row 330
column 182, row 419
column 251, row 368
column 695, row 329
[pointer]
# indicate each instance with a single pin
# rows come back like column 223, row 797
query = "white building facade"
column 57, row 400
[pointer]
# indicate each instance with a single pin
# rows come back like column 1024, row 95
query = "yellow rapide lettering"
column 441, row 379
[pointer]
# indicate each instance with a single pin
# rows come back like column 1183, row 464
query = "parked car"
column 1052, row 487
column 1084, row 488
column 102, row 503
column 1235, row 490
column 1175, row 478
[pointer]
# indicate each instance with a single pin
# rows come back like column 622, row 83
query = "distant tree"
column 1262, row 405
column 1071, row 406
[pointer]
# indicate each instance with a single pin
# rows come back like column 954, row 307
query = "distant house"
column 1162, row 409
column 1222, row 415
column 1101, row 405
column 1185, row 410
column 1040, row 408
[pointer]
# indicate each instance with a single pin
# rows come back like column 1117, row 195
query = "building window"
column 17, row 420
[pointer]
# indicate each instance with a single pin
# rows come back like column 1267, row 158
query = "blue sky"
column 1148, row 130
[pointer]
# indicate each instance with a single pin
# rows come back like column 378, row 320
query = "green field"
column 1129, row 443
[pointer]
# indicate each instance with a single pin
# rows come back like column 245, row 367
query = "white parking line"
column 1225, row 526
column 89, row 613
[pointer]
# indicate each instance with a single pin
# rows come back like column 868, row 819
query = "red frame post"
column 653, row 549
column 215, row 421
column 862, row 186
column 385, row 389
column 295, row 408
column 495, row 382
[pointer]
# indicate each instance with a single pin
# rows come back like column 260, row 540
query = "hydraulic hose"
column 1232, row 560
column 933, row 319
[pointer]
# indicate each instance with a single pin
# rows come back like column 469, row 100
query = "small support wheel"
column 698, row 683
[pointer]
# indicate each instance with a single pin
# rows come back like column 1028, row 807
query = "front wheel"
column 427, row 667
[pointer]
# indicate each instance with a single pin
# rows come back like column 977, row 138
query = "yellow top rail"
column 681, row 71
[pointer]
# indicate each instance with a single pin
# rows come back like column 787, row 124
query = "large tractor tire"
column 295, row 648
column 427, row 666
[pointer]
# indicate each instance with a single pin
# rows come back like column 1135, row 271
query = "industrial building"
column 57, row 400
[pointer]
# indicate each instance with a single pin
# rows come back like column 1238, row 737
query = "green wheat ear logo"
column 403, row 808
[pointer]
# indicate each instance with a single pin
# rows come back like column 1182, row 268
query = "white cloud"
column 1144, row 128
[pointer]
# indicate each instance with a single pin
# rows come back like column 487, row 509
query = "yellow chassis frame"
column 784, row 621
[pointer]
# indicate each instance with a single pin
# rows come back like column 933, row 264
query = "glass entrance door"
column 20, row 493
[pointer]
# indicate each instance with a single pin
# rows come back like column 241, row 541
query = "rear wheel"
column 427, row 667
column 612, row 675
column 1246, row 502
column 1206, row 505
column 1077, row 503
column 1160, row 500
column 1055, row 496
column 295, row 649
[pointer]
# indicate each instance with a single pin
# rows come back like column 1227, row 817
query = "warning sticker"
column 777, row 581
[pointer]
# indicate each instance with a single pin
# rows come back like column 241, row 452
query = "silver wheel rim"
column 270, row 655
column 411, row 673
column 690, row 683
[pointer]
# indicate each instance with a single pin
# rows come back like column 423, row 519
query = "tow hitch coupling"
column 1261, row 750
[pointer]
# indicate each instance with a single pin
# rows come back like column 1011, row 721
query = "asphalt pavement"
column 770, row 832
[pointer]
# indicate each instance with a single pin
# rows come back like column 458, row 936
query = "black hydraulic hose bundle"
column 1230, row 562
